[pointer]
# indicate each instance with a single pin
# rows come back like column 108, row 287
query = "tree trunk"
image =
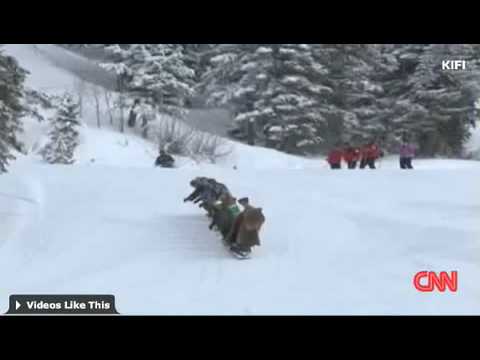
column 122, row 114
column 122, row 103
column 109, row 108
column 97, row 108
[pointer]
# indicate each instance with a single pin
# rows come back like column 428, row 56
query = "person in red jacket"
column 351, row 155
column 335, row 158
column 369, row 153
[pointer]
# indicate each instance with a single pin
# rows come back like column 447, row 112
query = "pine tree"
column 64, row 135
column 277, row 87
column 157, row 72
column 12, row 77
column 429, row 103
column 195, row 56
column 397, row 112
column 222, row 71
column 448, row 96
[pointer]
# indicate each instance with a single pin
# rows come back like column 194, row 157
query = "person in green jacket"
column 226, row 211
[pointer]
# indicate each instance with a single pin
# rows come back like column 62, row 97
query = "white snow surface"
column 334, row 242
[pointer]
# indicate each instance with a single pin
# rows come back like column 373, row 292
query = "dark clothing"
column 352, row 164
column 245, row 249
column 207, row 192
column 195, row 195
column 165, row 160
column 335, row 166
column 367, row 162
column 132, row 118
column 406, row 163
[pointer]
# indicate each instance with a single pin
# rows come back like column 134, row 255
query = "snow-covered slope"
column 55, row 69
column 44, row 75
column 50, row 56
column 335, row 242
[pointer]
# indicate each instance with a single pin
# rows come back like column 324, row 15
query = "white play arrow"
column 17, row 305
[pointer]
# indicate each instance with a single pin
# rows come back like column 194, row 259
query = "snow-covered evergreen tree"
column 278, row 87
column 447, row 96
column 12, row 77
column 195, row 56
column 304, row 97
column 157, row 72
column 64, row 135
column 431, row 104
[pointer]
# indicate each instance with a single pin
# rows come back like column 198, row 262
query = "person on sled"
column 226, row 211
column 165, row 160
column 244, row 234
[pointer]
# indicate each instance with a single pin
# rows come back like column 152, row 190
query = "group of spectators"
column 366, row 155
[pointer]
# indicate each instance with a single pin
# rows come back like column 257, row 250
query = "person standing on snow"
column 335, row 157
column 132, row 117
column 370, row 153
column 407, row 153
column 351, row 155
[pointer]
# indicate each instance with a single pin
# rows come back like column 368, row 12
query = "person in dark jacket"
column 165, row 160
column 207, row 192
column 199, row 184
column 212, row 192
column 132, row 117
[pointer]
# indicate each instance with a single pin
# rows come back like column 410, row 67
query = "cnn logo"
column 428, row 281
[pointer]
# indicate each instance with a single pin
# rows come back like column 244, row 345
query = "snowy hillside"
column 54, row 70
column 334, row 242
